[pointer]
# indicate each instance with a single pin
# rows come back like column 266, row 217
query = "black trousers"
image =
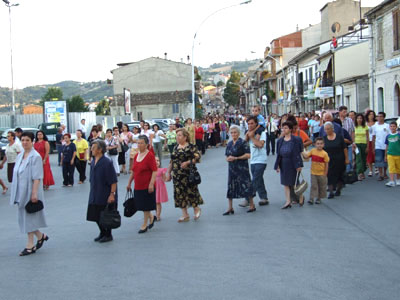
column 68, row 173
column 271, row 143
column 103, row 231
column 81, row 168
column 200, row 146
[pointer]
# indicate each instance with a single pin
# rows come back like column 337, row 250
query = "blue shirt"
column 102, row 176
column 258, row 155
column 336, row 128
column 261, row 120
column 68, row 152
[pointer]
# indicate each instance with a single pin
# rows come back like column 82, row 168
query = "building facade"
column 160, row 88
column 385, row 57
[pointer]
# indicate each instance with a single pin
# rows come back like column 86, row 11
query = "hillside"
column 90, row 91
column 228, row 67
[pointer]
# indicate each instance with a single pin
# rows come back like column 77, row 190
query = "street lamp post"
column 284, row 83
column 194, row 39
column 9, row 5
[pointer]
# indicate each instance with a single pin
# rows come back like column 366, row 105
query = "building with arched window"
column 385, row 57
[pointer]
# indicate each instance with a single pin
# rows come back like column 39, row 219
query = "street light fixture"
column 9, row 5
column 194, row 39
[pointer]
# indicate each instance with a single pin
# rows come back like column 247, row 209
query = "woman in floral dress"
column 185, row 194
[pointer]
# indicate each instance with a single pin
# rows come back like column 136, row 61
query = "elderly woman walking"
column 103, row 188
column 338, row 159
column 184, row 157
column 28, row 174
column 239, row 182
column 288, row 161
column 144, row 174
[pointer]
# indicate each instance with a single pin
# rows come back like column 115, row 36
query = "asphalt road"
column 346, row 248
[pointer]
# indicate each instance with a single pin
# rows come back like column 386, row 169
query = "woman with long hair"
column 42, row 146
column 370, row 119
column 361, row 141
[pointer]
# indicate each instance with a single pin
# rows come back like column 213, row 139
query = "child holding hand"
column 161, row 189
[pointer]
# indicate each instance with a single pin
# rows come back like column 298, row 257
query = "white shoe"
column 398, row 182
column 391, row 184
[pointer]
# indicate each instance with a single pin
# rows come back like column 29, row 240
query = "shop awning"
column 323, row 64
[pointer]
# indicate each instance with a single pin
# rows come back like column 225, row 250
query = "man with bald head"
column 336, row 127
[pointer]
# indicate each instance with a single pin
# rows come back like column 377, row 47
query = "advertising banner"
column 127, row 101
column 56, row 111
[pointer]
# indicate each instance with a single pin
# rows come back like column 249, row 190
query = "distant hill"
column 227, row 68
column 89, row 91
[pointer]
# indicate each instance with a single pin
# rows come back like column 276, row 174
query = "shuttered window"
column 396, row 30
column 379, row 40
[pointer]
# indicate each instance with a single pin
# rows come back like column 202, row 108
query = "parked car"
column 388, row 120
column 133, row 124
column 166, row 121
column 4, row 140
column 50, row 130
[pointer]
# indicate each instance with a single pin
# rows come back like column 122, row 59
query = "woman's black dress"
column 239, row 181
column 217, row 134
column 337, row 160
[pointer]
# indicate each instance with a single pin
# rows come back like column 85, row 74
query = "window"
column 310, row 72
column 175, row 108
column 396, row 30
column 379, row 40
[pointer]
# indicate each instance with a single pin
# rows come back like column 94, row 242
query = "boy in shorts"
column 319, row 171
column 392, row 155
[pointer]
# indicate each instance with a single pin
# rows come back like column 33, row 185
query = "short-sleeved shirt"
column 68, row 152
column 348, row 125
column 81, row 147
column 361, row 134
column 393, row 142
column 171, row 137
column 199, row 133
column 303, row 124
column 12, row 152
column 318, row 160
column 59, row 138
column 102, row 176
column 258, row 155
column 300, row 133
column 380, row 131
column 143, row 170
column 316, row 126
column 157, row 138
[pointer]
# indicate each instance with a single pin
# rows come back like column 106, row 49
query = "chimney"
column 165, row 55
column 181, row 60
column 188, row 59
column 297, row 27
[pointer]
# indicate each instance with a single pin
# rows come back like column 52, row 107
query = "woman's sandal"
column 5, row 190
column 183, row 219
column 40, row 242
column 197, row 215
column 28, row 251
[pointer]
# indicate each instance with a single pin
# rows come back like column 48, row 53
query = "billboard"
column 127, row 101
column 56, row 111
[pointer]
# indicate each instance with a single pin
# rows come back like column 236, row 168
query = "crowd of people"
column 336, row 146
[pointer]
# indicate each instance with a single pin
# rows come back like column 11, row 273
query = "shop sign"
column 393, row 62
column 324, row 92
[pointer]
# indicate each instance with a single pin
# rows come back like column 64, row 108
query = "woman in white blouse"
column 11, row 153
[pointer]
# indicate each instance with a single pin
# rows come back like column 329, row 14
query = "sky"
column 83, row 40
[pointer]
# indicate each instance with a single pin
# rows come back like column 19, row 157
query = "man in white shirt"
column 82, row 127
column 379, row 133
column 258, row 159
column 271, row 132
column 18, row 132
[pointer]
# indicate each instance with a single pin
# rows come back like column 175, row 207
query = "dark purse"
column 32, row 208
column 350, row 177
column 110, row 217
column 125, row 147
column 129, row 205
column 113, row 151
column 194, row 175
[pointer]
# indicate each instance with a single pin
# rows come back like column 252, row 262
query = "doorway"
column 397, row 98
column 381, row 105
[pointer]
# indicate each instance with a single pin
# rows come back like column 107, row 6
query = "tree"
column 103, row 108
column 76, row 104
column 52, row 94
column 220, row 83
column 232, row 90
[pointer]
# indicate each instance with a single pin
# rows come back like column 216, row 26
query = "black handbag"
column 32, row 208
column 125, row 147
column 113, row 151
column 129, row 205
column 350, row 177
column 110, row 217
column 194, row 175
